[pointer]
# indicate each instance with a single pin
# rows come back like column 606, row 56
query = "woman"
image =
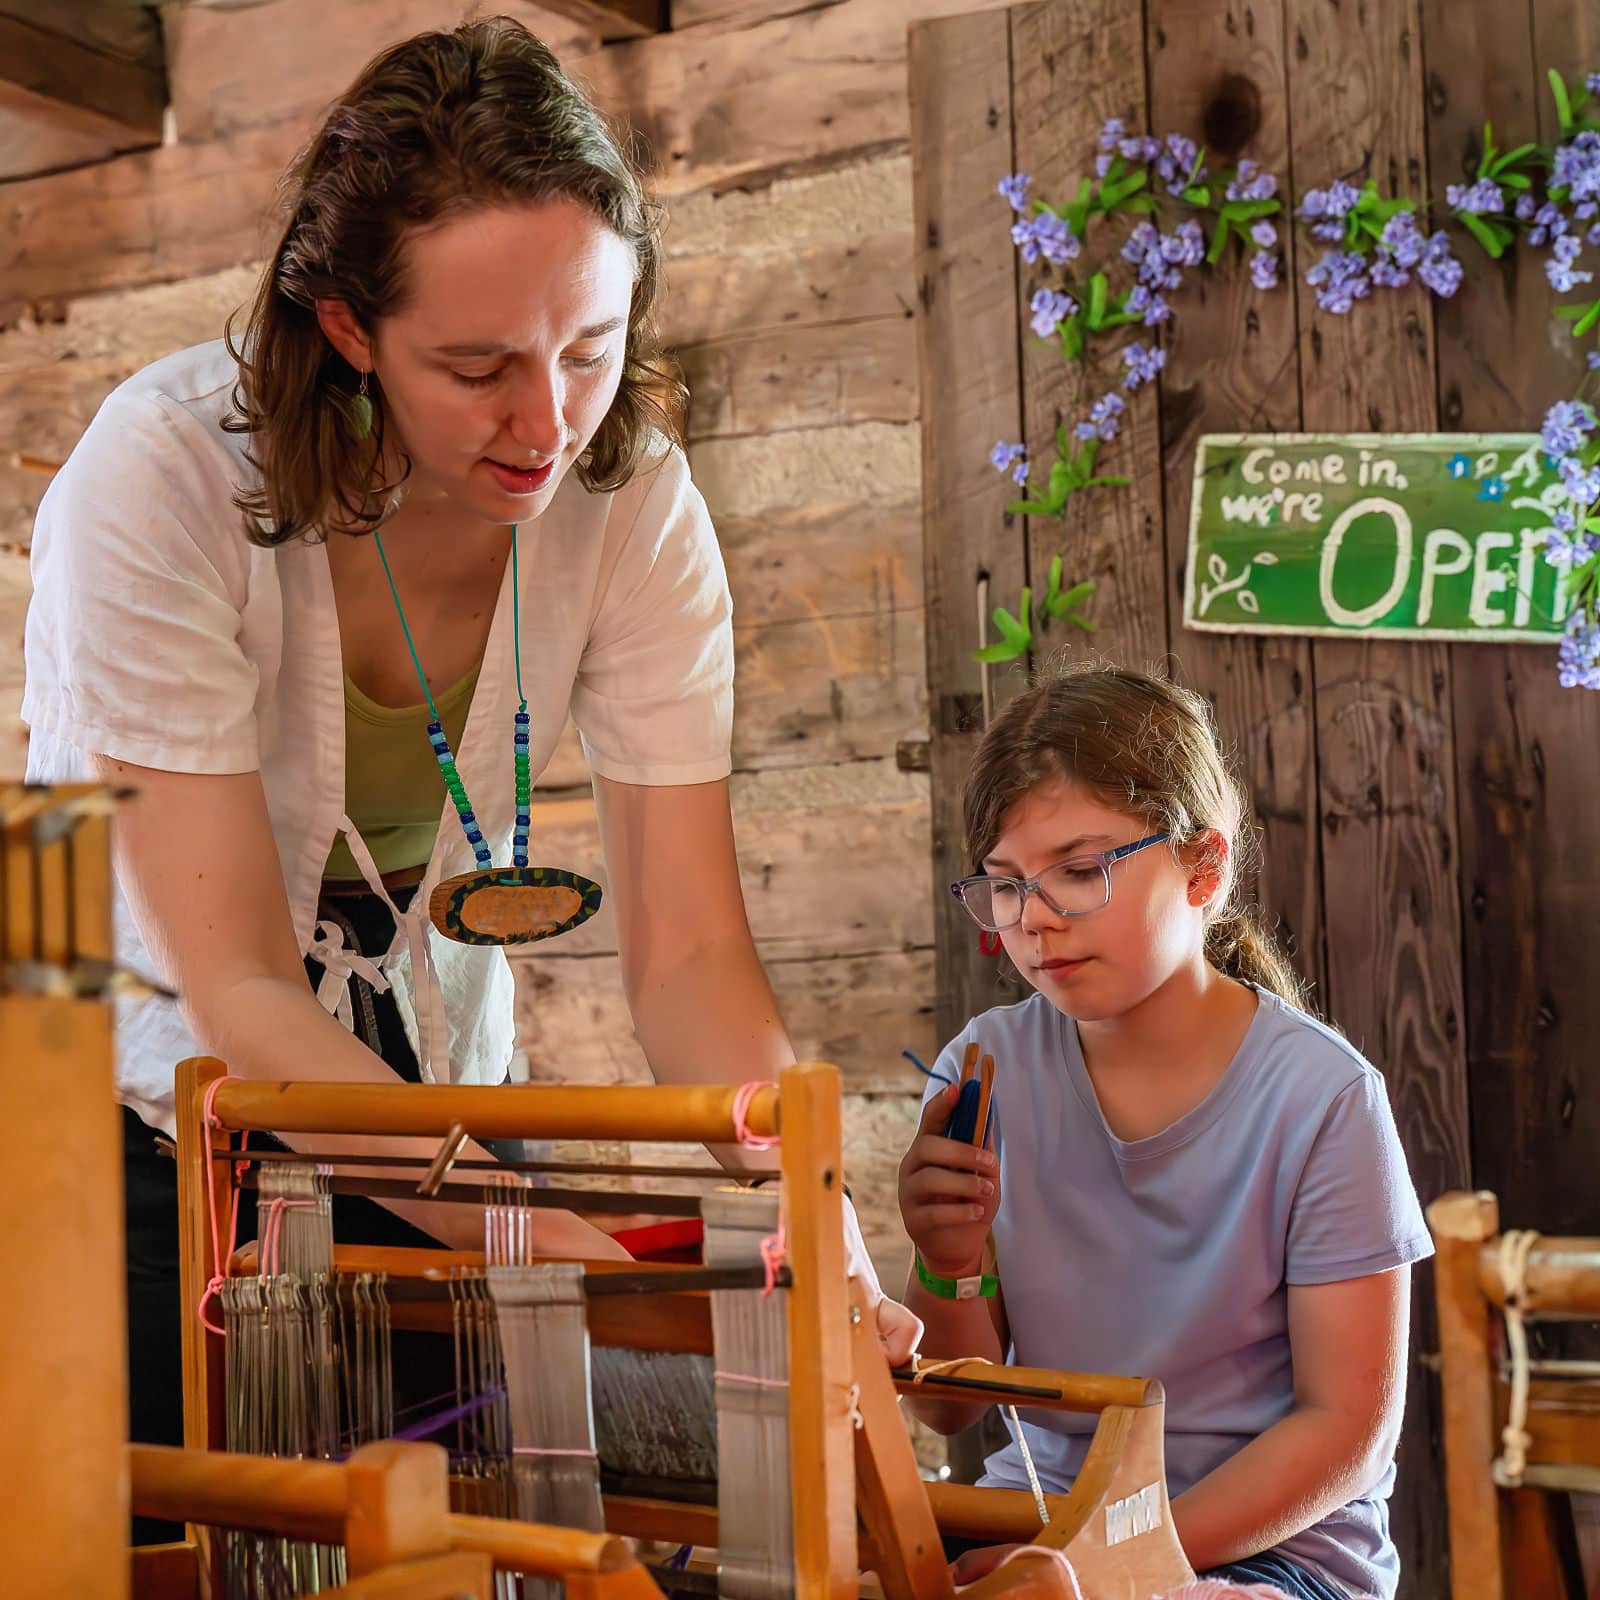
column 454, row 341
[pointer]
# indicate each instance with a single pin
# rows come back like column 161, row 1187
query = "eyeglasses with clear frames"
column 1071, row 888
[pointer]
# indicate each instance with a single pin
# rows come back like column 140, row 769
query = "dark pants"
column 155, row 1311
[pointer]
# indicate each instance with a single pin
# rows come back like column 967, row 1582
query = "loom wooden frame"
column 75, row 1477
column 1504, row 1542
column 837, row 1366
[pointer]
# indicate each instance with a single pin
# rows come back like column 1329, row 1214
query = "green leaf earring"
column 356, row 409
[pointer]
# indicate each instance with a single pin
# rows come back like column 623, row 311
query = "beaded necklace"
column 497, row 905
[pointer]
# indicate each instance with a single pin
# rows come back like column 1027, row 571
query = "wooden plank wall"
column 1428, row 816
column 781, row 143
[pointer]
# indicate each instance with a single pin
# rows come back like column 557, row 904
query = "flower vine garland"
column 1543, row 196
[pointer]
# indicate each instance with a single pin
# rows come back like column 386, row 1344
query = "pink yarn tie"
column 219, row 1261
column 774, row 1248
column 745, row 1093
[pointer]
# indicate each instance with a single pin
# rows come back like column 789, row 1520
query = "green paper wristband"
column 981, row 1286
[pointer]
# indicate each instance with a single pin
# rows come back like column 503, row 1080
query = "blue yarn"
column 963, row 1121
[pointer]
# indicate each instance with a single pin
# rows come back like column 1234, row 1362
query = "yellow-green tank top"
column 393, row 790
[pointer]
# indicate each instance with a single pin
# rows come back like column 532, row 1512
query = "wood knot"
column 1232, row 115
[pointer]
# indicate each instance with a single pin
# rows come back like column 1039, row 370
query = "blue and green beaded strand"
column 519, row 836
column 453, row 783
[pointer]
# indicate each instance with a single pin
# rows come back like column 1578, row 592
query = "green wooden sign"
column 1398, row 536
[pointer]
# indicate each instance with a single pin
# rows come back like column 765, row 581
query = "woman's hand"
column 899, row 1331
column 949, row 1193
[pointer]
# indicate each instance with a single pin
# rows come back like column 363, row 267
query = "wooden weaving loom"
column 858, row 1502
column 1516, row 1427
column 70, row 1478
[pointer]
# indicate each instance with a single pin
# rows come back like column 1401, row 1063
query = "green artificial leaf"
column 1072, row 337
column 1563, row 103
column 1105, row 483
column 1219, row 240
column 1015, row 633
column 1112, row 195
column 1488, row 151
column 991, row 653
column 1249, row 210
column 1063, row 605
column 1086, row 455
column 1027, row 508
column 1140, row 204
column 1480, row 230
column 1515, row 180
column 1511, row 158
column 1053, row 590
column 1586, row 321
column 1195, row 166
column 1097, row 299
column 1198, row 195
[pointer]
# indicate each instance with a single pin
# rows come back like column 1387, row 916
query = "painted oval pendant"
column 512, row 905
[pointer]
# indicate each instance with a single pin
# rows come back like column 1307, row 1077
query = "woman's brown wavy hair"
column 1147, row 747
column 438, row 126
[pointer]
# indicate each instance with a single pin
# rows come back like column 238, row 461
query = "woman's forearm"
column 1282, row 1482
column 709, row 1016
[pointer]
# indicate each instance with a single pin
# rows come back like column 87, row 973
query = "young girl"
column 1188, row 1177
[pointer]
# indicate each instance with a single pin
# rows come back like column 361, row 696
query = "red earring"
column 985, row 946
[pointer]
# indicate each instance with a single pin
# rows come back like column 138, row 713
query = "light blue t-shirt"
column 1170, row 1257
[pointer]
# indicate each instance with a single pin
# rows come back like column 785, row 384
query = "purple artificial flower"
column 1264, row 269
column 1105, row 418
column 1015, row 190
column 1185, row 246
column 1003, row 455
column 1264, row 236
column 1577, row 167
column 1046, row 235
column 1593, row 358
column 1477, row 198
column 1525, row 206
column 1548, row 223
column 1111, row 134
column 1019, row 473
column 1050, row 309
column 1251, row 183
column 1578, row 662
column 1567, row 553
column 1102, row 164
column 1565, row 520
column 1566, row 428
column 1593, row 235
column 1142, row 364
column 1387, row 275
column 1582, row 484
column 1056, row 241
column 1438, row 269
column 1402, row 241
column 1326, row 209
column 1591, row 82
column 1563, row 277
column 1340, row 279
column 1585, row 209
column 1143, row 149
column 1176, row 161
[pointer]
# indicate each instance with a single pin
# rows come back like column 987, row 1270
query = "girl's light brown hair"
column 1144, row 746
column 435, row 127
